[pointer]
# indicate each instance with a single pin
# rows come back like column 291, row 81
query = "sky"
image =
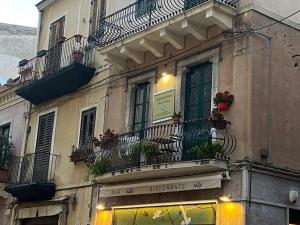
column 20, row 12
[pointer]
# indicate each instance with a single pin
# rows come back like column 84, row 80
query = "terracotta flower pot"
column 176, row 120
column 223, row 106
column 77, row 57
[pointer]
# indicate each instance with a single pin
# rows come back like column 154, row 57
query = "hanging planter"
column 217, row 120
column 223, row 101
column 223, row 106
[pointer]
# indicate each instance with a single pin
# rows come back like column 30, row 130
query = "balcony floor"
column 166, row 170
column 31, row 192
column 64, row 81
column 194, row 21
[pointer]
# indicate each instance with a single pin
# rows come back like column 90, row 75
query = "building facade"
column 14, row 111
column 176, row 56
column 160, row 112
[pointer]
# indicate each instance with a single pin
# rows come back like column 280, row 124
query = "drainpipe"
column 38, row 31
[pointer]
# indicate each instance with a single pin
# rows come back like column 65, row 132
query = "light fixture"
column 100, row 207
column 225, row 198
column 164, row 74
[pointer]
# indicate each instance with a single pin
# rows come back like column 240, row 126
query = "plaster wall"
column 13, row 110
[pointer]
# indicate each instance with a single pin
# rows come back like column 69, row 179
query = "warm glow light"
column 100, row 207
column 164, row 74
column 225, row 198
column 166, row 78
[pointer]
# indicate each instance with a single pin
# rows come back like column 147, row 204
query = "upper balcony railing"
column 142, row 15
column 32, row 168
column 168, row 143
column 63, row 54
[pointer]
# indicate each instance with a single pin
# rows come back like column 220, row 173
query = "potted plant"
column 223, row 100
column 78, row 38
column 144, row 149
column 107, row 138
column 176, row 117
column 100, row 167
column 205, row 150
column 77, row 56
column 108, row 135
column 217, row 120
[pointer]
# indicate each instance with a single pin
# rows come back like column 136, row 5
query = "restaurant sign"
column 188, row 184
column 163, row 105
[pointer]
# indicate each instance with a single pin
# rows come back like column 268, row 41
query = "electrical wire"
column 277, row 21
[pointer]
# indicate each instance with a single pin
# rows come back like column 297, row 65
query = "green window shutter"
column 43, row 147
column 87, row 127
column 141, row 106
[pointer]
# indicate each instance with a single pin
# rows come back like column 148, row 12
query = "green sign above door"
column 163, row 106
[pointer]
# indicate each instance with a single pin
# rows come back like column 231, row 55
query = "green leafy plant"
column 176, row 115
column 224, row 97
column 143, row 148
column 5, row 152
column 205, row 150
column 100, row 167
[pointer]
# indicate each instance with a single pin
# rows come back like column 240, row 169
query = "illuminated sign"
column 204, row 214
column 163, row 106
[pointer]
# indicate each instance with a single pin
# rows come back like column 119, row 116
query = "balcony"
column 56, row 72
column 31, row 177
column 168, row 150
column 147, row 26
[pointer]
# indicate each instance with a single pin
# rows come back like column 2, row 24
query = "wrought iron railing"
column 32, row 168
column 142, row 15
column 169, row 143
column 66, row 52
column 83, row 151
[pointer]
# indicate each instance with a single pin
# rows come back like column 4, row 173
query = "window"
column 141, row 106
column 4, row 130
column 43, row 147
column 87, row 126
column 97, row 14
column 55, row 49
column 143, row 7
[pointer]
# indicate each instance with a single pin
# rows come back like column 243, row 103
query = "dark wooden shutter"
column 43, row 147
column 97, row 14
column 55, row 45
column 87, row 127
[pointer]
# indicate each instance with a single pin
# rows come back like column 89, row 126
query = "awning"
column 41, row 211
column 167, row 185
